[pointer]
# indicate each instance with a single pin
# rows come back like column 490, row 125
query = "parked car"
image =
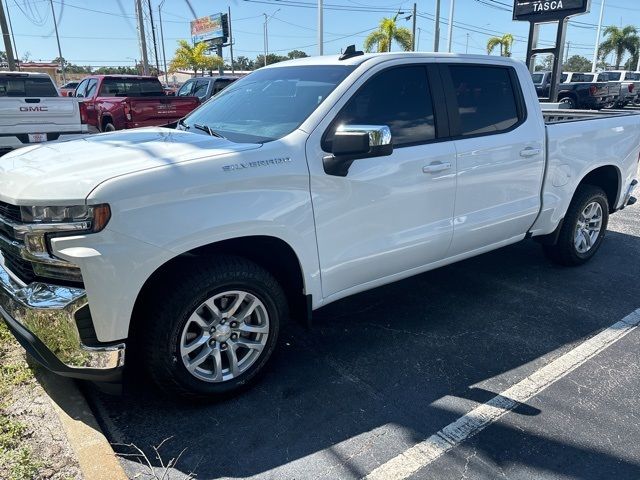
column 601, row 77
column 303, row 183
column 68, row 88
column 575, row 94
column 116, row 102
column 204, row 87
column 32, row 111
column 629, row 85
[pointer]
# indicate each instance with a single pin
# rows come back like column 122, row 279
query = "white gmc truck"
column 300, row 184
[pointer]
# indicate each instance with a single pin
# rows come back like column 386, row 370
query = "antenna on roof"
column 350, row 52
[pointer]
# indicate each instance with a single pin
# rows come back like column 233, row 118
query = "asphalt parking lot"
column 382, row 371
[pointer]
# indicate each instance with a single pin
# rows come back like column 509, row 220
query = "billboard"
column 207, row 28
column 548, row 10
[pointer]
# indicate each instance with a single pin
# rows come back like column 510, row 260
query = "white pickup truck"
column 300, row 184
column 32, row 111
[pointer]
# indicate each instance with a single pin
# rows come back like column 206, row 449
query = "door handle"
column 530, row 152
column 436, row 167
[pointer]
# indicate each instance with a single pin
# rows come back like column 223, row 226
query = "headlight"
column 95, row 217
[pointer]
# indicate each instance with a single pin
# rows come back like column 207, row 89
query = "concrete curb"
column 95, row 455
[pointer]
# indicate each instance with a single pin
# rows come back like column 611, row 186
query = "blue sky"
column 102, row 32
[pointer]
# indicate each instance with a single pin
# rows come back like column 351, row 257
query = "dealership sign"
column 207, row 28
column 548, row 10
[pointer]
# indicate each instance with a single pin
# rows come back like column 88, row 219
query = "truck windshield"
column 14, row 86
column 131, row 87
column 268, row 104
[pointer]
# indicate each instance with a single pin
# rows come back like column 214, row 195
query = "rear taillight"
column 127, row 111
column 593, row 89
column 631, row 87
column 83, row 113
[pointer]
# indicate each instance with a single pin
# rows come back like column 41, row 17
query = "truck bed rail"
column 560, row 115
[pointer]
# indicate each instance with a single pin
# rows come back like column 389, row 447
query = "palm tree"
column 505, row 42
column 194, row 57
column 619, row 41
column 387, row 32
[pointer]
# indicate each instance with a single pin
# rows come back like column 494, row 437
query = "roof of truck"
column 356, row 60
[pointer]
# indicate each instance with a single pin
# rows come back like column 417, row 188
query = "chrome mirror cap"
column 379, row 135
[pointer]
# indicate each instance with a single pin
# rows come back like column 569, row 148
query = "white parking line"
column 425, row 452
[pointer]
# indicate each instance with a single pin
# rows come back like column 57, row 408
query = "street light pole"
column 597, row 47
column 413, row 36
column 320, row 28
column 266, row 34
column 164, row 55
column 55, row 25
column 451, row 7
column 436, row 33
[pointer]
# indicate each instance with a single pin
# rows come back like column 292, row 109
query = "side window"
column 185, row 90
column 200, row 90
column 91, row 88
column 82, row 88
column 486, row 99
column 399, row 98
column 219, row 85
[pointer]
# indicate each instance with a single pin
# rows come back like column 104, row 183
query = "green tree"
column 577, row 63
column 505, row 42
column 388, row 32
column 243, row 63
column 297, row 54
column 620, row 41
column 271, row 58
column 188, row 57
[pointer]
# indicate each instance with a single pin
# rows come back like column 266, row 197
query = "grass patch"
column 16, row 458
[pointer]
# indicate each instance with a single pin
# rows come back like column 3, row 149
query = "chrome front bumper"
column 42, row 318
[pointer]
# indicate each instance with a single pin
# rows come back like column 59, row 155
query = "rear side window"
column 399, row 98
column 220, row 84
column 563, row 78
column 485, row 99
column 13, row 86
column 614, row 76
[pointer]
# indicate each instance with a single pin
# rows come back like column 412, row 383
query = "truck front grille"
column 10, row 212
column 20, row 267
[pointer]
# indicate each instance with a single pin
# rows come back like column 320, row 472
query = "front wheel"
column 568, row 103
column 583, row 228
column 213, row 333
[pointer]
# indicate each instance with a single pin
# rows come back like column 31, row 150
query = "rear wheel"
column 214, row 332
column 568, row 102
column 583, row 228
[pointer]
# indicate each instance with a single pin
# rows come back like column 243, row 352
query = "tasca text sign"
column 548, row 10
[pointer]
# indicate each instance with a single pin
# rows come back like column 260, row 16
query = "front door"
column 393, row 214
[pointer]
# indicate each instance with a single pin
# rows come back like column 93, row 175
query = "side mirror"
column 354, row 142
column 70, row 94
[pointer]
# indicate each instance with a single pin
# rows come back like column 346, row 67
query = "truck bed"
column 560, row 115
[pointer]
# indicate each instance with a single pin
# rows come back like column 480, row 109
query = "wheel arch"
column 272, row 253
column 607, row 177
column 104, row 119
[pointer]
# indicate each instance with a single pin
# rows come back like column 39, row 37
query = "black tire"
column 564, row 252
column 569, row 102
column 108, row 127
column 171, row 309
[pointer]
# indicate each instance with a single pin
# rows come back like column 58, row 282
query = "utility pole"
column 13, row 38
column 230, row 38
column 566, row 57
column 153, row 36
column 55, row 26
column 266, row 34
column 7, row 39
column 451, row 7
column 418, row 39
column 164, row 56
column 413, row 36
column 466, row 48
column 143, row 39
column 320, row 28
column 436, row 33
column 597, row 47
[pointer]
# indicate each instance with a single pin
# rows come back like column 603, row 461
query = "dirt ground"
column 33, row 444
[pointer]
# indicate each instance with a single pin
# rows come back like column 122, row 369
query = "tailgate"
column 162, row 110
column 46, row 112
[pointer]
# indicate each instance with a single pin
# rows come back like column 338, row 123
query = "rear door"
column 500, row 157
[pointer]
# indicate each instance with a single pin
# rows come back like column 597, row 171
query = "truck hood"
column 68, row 171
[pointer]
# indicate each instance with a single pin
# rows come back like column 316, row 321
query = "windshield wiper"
column 207, row 128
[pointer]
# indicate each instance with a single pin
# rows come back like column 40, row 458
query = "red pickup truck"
column 116, row 102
